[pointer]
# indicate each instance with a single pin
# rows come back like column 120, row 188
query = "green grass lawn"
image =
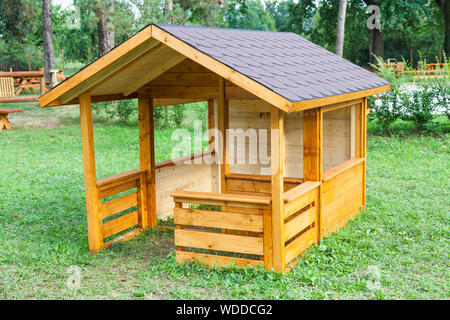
column 396, row 249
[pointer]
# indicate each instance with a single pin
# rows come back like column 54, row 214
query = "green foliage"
column 122, row 110
column 388, row 108
column 250, row 15
column 419, row 105
column 417, row 102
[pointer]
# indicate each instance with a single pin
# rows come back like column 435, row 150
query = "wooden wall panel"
column 192, row 177
column 342, row 198
column 246, row 114
column 337, row 138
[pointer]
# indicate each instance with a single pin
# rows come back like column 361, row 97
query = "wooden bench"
column 4, row 112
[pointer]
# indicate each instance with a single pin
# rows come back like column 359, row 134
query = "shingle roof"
column 284, row 62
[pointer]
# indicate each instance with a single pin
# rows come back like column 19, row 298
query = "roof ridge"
column 219, row 28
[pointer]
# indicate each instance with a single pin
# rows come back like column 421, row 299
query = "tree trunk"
column 444, row 6
column 376, row 45
column 169, row 11
column 49, row 53
column 106, row 32
column 341, row 28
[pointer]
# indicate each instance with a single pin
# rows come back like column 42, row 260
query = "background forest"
column 90, row 28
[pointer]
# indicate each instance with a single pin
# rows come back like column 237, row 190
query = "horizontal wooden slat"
column 214, row 260
column 353, row 183
column 218, row 219
column 300, row 190
column 340, row 179
column 220, row 198
column 340, row 210
column 118, row 205
column 118, row 189
column 299, row 223
column 252, row 177
column 22, row 74
column 300, row 244
column 206, row 79
column 218, row 241
column 124, row 237
column 342, row 168
column 119, row 179
column 190, row 158
column 341, row 105
column 300, row 203
column 196, row 92
column 119, row 224
column 256, row 184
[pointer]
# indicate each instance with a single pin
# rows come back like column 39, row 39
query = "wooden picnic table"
column 4, row 112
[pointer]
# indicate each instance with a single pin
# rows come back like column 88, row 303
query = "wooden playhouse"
column 226, row 208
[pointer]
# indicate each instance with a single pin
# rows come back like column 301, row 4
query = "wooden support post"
column 147, row 156
column 312, row 144
column 313, row 154
column 42, row 83
column 277, row 163
column 94, row 220
column 29, row 59
column 364, row 144
column 360, row 139
column 223, row 126
column 268, row 242
column 62, row 56
column 210, row 123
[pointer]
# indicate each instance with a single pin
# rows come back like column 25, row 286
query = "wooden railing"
column 221, row 229
column 115, row 224
column 256, row 184
column 300, row 218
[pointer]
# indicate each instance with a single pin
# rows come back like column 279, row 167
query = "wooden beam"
column 149, row 75
column 123, row 68
column 19, row 99
column 341, row 105
column 197, row 92
column 210, row 123
column 90, row 179
column 277, row 163
column 313, row 154
column 320, row 102
column 364, row 145
column 223, row 126
column 147, row 156
column 312, row 144
column 20, row 74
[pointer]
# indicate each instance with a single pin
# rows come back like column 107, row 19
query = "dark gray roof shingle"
column 284, row 62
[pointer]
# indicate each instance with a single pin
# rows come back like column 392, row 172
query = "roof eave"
column 320, row 102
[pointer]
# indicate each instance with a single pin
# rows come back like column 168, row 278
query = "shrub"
column 388, row 108
column 419, row 105
column 123, row 110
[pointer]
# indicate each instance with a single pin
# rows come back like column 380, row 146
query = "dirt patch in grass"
column 35, row 117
